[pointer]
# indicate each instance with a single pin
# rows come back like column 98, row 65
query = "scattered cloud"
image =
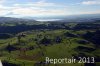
column 3, row 12
column 2, row 1
column 41, row 3
column 36, row 8
column 91, row 2
column 32, row 12
column 43, row 7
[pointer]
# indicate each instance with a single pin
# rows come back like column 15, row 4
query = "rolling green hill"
column 30, row 48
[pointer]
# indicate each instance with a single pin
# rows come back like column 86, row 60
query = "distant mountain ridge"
column 14, row 20
column 82, row 18
column 71, row 18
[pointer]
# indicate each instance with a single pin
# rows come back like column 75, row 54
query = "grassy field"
column 34, row 46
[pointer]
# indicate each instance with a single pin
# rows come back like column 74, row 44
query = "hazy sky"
column 21, row 8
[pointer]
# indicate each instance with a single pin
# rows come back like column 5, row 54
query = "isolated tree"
column 58, row 39
column 45, row 41
column 19, row 38
column 10, row 48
